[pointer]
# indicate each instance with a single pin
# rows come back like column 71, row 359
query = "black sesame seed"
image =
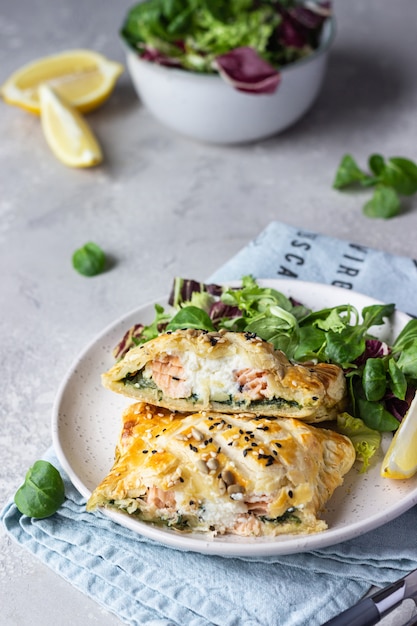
column 213, row 341
column 314, row 398
column 290, row 493
column 144, row 452
column 229, row 426
column 193, row 448
column 254, row 445
column 181, row 479
column 278, row 445
column 262, row 428
column 153, row 451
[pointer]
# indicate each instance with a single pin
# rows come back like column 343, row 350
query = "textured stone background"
column 162, row 205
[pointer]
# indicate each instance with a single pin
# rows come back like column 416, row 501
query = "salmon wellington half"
column 192, row 370
column 217, row 473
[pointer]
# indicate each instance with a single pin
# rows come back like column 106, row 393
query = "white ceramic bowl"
column 204, row 107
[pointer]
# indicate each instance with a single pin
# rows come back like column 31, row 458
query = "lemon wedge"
column 83, row 77
column 66, row 131
column 401, row 458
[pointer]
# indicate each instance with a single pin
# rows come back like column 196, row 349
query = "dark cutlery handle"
column 364, row 613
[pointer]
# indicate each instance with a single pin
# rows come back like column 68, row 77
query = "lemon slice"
column 83, row 77
column 401, row 458
column 66, row 131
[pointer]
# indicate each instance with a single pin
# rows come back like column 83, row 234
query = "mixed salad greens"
column 246, row 41
column 381, row 378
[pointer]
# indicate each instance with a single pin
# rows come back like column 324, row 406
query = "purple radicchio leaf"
column 308, row 17
column 183, row 288
column 291, row 33
column 398, row 408
column 321, row 8
column 219, row 310
column 374, row 349
column 154, row 56
column 128, row 341
column 246, row 71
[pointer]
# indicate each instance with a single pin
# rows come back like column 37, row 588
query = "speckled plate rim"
column 86, row 421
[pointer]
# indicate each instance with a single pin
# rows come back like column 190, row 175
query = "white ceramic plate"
column 87, row 418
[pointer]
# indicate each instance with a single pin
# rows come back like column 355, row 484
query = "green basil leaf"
column 407, row 361
column 348, row 173
column 42, row 493
column 191, row 317
column 401, row 175
column 376, row 163
column 344, row 347
column 89, row 260
column 311, row 340
column 385, row 203
column 398, row 380
column 376, row 416
column 375, row 314
column 408, row 333
column 374, row 379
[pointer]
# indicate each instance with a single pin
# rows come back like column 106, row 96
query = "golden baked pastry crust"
column 191, row 370
column 212, row 472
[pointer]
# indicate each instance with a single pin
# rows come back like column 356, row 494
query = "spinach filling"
column 177, row 521
column 278, row 402
column 288, row 516
column 137, row 380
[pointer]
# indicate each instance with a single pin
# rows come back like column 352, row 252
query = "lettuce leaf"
column 366, row 441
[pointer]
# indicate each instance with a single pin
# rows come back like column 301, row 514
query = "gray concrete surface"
column 162, row 205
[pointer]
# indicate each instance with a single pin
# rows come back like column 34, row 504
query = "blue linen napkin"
column 144, row 582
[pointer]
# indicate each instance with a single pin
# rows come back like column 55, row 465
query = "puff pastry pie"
column 211, row 472
column 192, row 370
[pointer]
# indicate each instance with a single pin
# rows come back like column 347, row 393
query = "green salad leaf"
column 365, row 440
column 392, row 178
column 42, row 493
column 89, row 260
